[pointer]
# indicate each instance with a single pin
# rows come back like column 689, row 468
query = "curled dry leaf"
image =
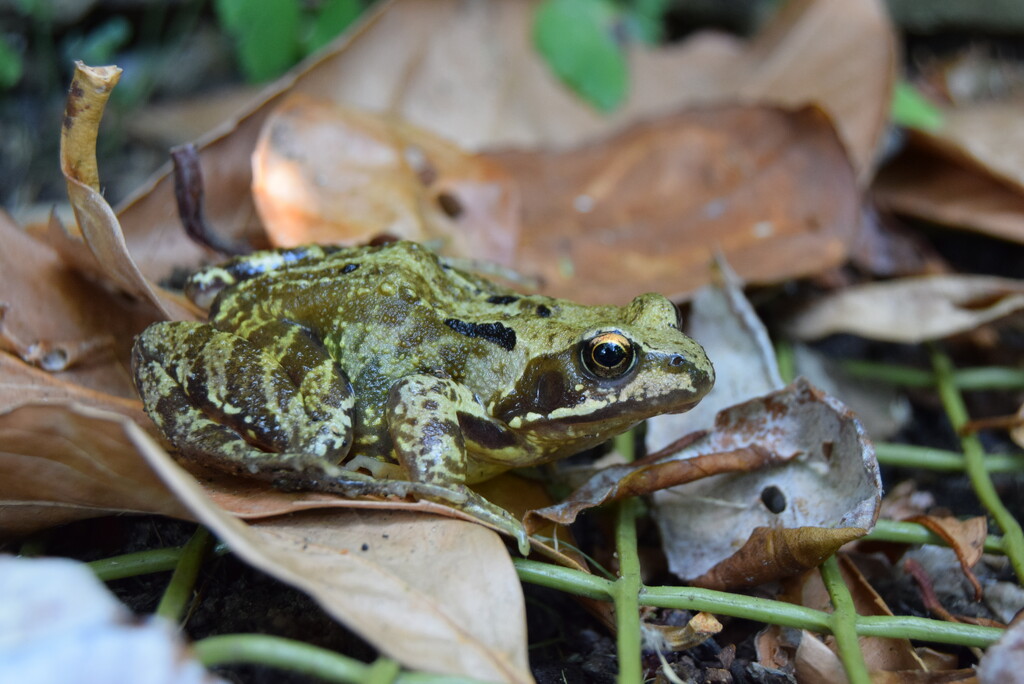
column 328, row 174
column 61, row 462
column 825, row 495
column 646, row 209
column 97, row 223
column 55, row 319
column 911, row 310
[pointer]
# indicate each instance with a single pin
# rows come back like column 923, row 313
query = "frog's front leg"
column 268, row 408
column 435, row 424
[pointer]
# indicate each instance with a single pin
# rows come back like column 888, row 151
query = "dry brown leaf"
column 62, row 462
column 22, row 384
column 930, row 186
column 986, row 135
column 387, row 575
column 60, row 321
column 471, row 74
column 911, row 310
column 816, row 51
column 413, row 592
column 327, row 174
column 97, row 224
column 647, row 209
column 769, row 554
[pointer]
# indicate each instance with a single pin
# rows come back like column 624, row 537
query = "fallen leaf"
column 831, row 481
column 932, row 187
column 986, row 135
column 60, row 463
column 645, row 210
column 881, row 654
column 471, row 74
column 328, row 174
column 413, row 592
column 22, row 384
column 911, row 310
column 377, row 572
column 60, row 624
column 60, row 321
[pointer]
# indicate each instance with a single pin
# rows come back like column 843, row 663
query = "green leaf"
column 265, row 32
column 911, row 109
column 10, row 65
column 576, row 39
column 333, row 17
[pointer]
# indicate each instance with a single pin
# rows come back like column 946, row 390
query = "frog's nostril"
column 677, row 360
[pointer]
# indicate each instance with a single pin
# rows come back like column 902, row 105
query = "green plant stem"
column 983, row 378
column 296, row 656
column 844, row 623
column 752, row 608
column 911, row 456
column 913, row 533
column 926, row 629
column 563, row 579
column 974, row 457
column 178, row 594
column 626, row 590
column 131, row 564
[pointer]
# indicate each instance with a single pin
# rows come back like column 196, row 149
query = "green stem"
column 913, row 533
column 564, row 579
column 911, row 456
column 985, row 378
column 737, row 605
column 974, row 458
column 626, row 590
column 844, row 623
column 926, row 629
column 296, row 656
column 178, row 594
column 141, row 563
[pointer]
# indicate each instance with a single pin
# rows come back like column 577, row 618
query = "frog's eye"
column 608, row 355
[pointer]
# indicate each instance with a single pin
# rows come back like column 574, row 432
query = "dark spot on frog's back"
column 484, row 433
column 349, row 268
column 543, row 311
column 502, row 299
column 497, row 333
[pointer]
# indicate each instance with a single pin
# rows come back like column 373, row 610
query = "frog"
column 388, row 371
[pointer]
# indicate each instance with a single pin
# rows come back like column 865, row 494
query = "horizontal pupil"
column 609, row 354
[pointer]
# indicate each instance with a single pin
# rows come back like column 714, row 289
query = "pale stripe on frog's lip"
column 593, row 411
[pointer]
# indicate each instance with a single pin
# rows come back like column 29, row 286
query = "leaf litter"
column 153, row 241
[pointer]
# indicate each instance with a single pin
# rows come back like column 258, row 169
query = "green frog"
column 385, row 370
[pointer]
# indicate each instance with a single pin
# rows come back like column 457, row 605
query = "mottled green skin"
column 312, row 357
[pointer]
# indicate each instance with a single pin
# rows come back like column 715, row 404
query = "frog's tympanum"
column 384, row 370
